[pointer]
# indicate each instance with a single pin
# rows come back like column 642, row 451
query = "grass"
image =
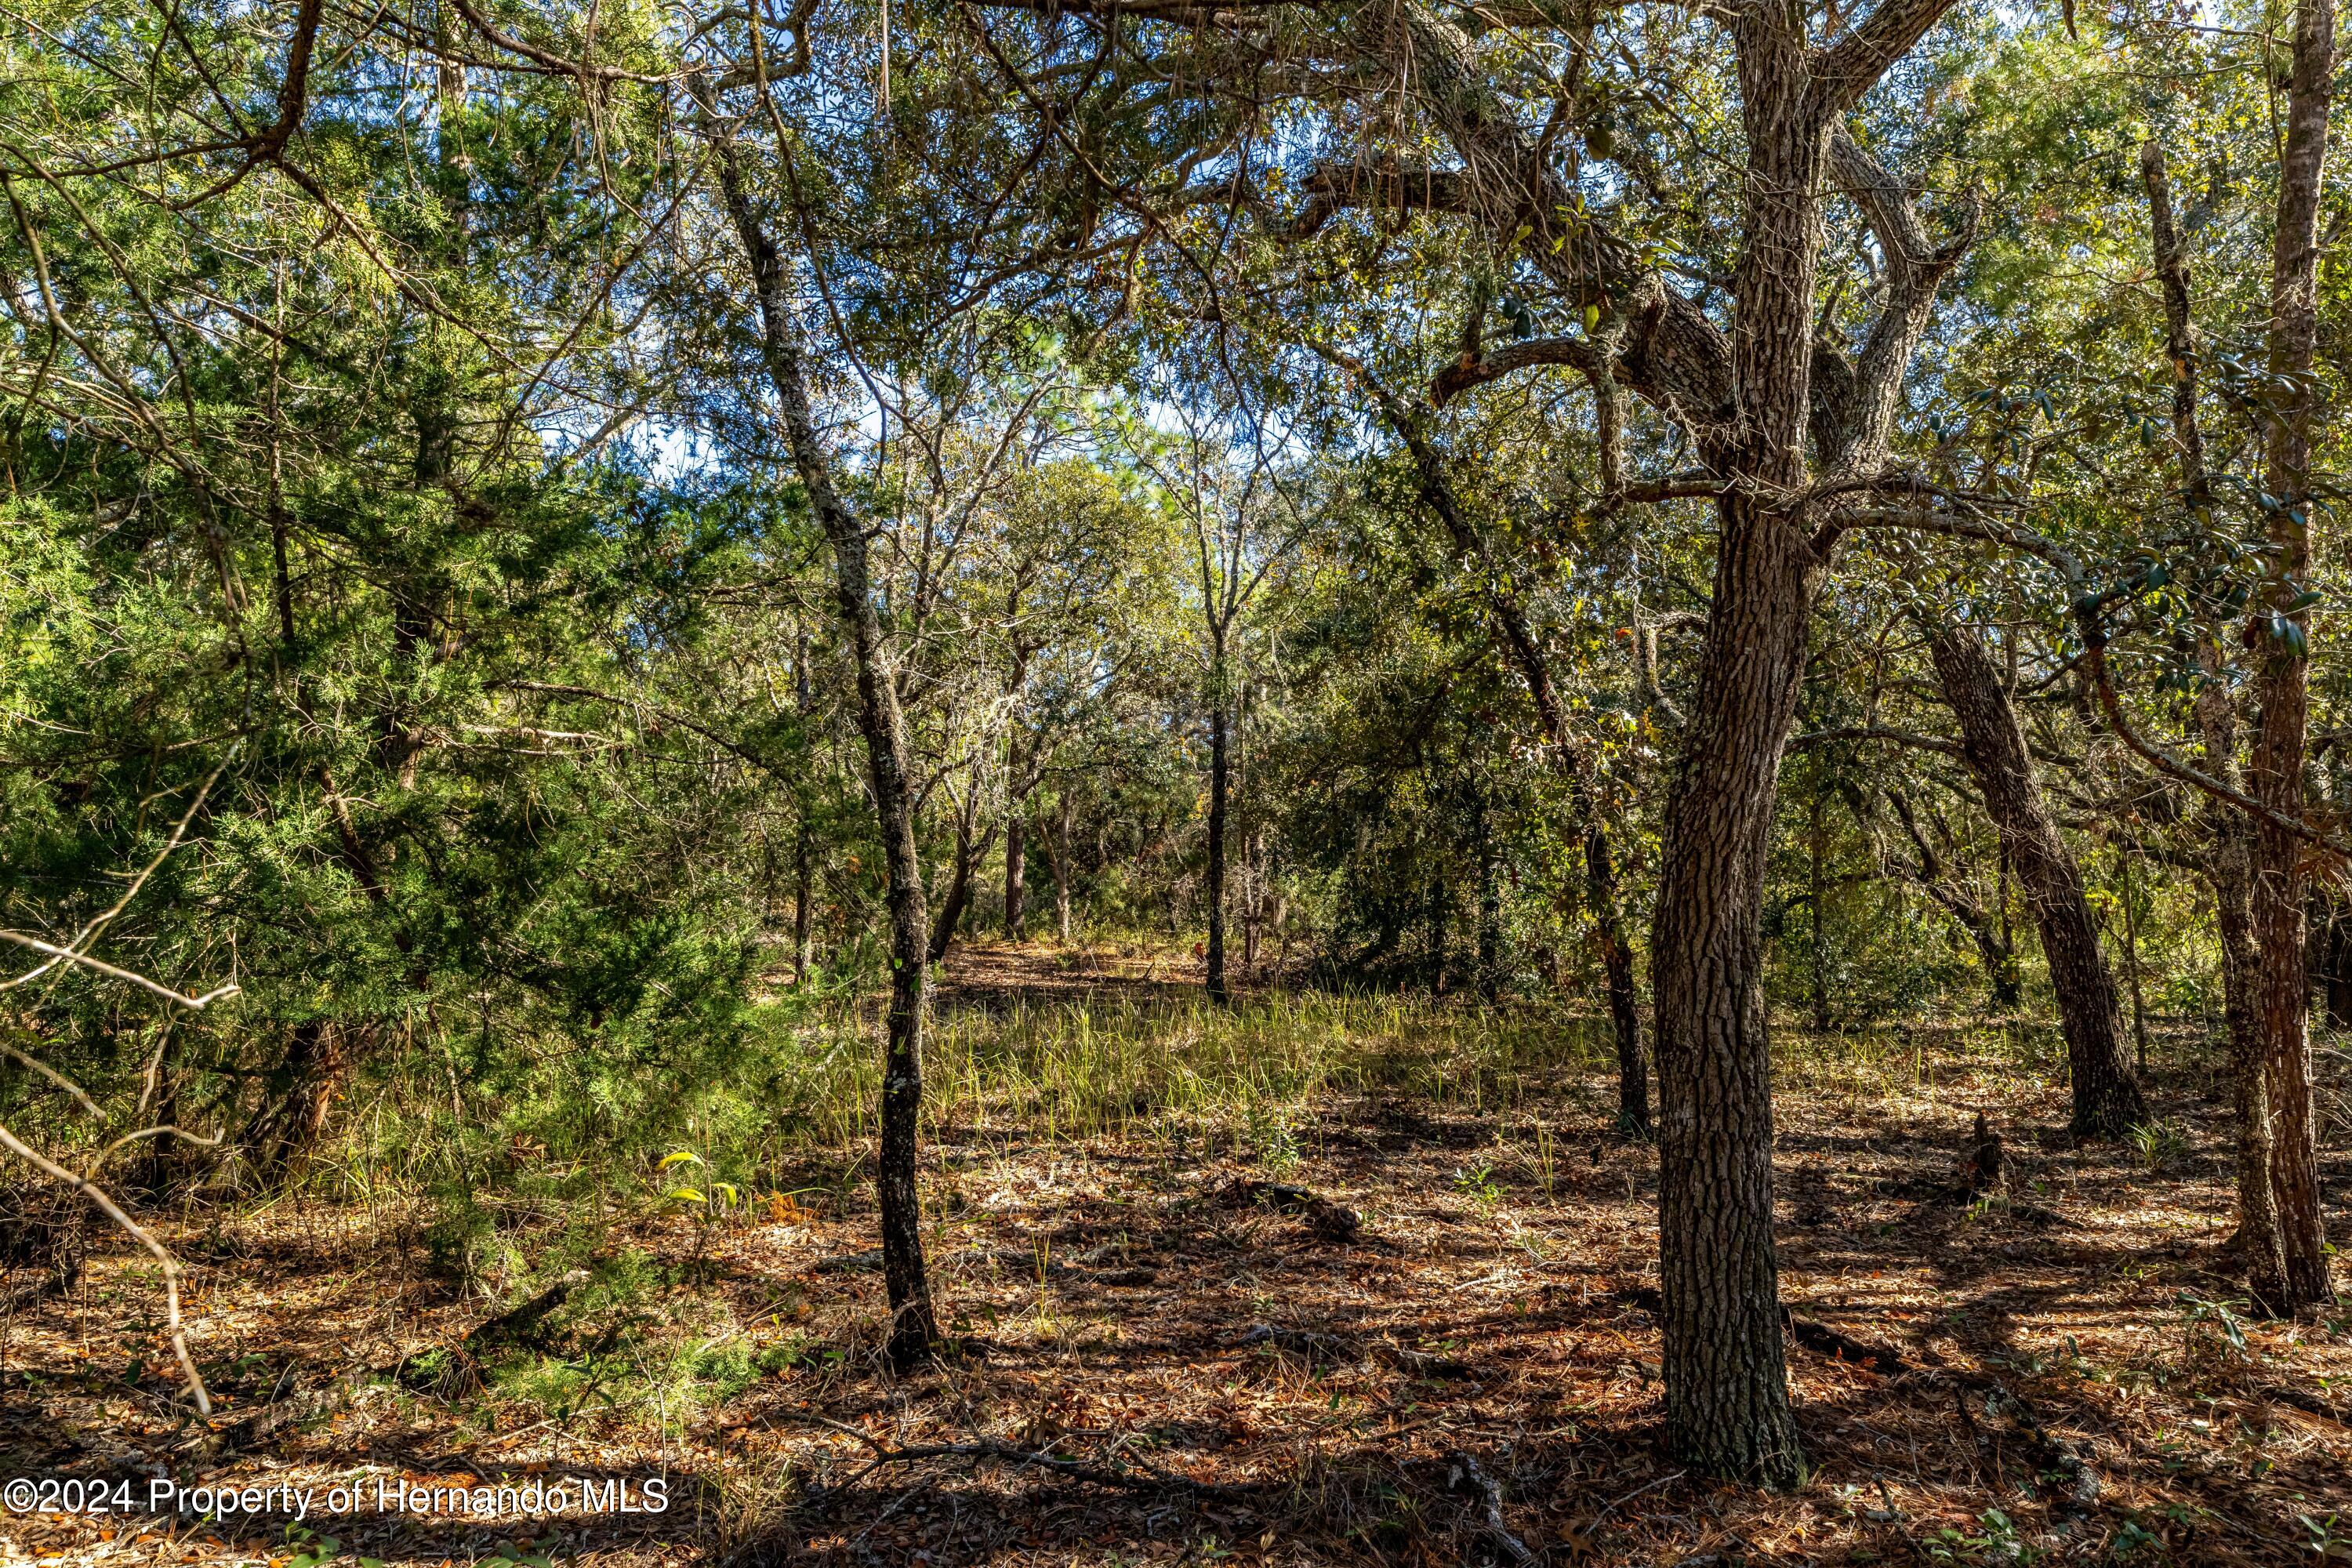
column 1077, row 1152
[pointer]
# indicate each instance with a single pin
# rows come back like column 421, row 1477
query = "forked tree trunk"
column 2107, row 1096
column 914, row 1330
column 2278, row 635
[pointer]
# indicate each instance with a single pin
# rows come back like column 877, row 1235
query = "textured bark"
column 1727, row 1390
column 1745, row 397
column 2282, row 675
column 914, row 1330
column 2106, row 1096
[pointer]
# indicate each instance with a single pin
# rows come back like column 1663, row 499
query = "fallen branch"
column 1463, row 1475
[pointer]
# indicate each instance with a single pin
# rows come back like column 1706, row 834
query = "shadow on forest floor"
column 1267, row 1395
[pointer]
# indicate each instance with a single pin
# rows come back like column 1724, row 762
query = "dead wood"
column 1328, row 1220
column 1817, row 1337
column 1463, row 1474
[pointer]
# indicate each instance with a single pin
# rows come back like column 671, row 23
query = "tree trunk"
column 1725, row 1362
column 1726, row 1367
column 2278, row 635
column 2229, row 856
column 2106, row 1096
column 914, row 1331
column 1061, row 842
column 1617, row 976
column 1994, row 948
column 1817, row 895
column 1016, row 867
column 1216, row 892
column 969, row 853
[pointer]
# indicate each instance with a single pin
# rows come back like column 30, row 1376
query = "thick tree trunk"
column 2106, row 1096
column 1726, row 1367
column 2278, row 635
column 1217, row 890
column 914, row 1331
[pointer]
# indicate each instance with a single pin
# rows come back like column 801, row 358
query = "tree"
column 2279, row 632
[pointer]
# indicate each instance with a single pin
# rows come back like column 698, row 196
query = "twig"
column 1465, row 1470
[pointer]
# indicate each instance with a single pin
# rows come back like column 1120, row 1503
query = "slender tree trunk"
column 1817, row 896
column 2131, row 972
column 2229, row 857
column 1060, row 839
column 2106, row 1096
column 1576, row 765
column 1216, row 892
column 914, row 1330
column 1993, row 948
column 1016, row 867
column 971, row 848
column 2278, row 635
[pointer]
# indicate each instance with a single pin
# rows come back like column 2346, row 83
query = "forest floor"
column 1170, row 1361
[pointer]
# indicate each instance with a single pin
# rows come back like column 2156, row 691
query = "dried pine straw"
column 1162, row 1371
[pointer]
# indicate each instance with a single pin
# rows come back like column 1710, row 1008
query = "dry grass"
column 1089, row 1245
